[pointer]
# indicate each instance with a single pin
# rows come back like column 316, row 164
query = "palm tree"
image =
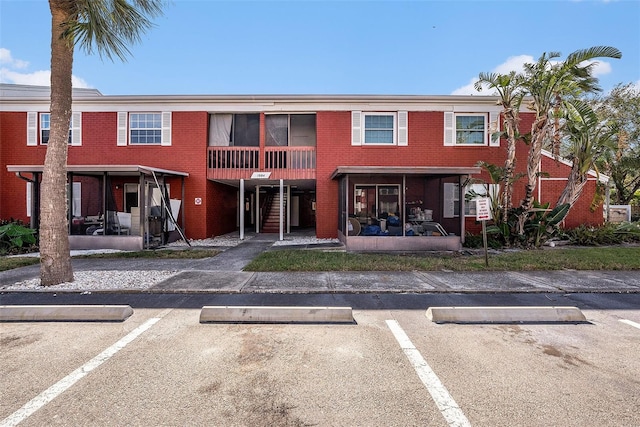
column 510, row 92
column 550, row 85
column 587, row 138
column 109, row 26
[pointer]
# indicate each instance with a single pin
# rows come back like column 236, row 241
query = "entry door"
column 130, row 197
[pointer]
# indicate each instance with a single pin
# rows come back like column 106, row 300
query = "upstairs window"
column 379, row 128
column 375, row 128
column 45, row 127
column 293, row 130
column 470, row 129
column 239, row 130
column 145, row 128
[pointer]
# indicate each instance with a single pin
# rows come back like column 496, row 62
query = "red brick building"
column 378, row 172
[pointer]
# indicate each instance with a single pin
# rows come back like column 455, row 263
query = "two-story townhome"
column 377, row 172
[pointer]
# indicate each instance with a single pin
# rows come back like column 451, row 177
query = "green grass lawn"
column 605, row 258
column 8, row 263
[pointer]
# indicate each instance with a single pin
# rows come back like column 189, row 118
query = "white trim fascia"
column 601, row 177
column 564, row 179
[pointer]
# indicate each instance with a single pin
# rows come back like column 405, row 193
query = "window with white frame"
column 471, row 129
column 476, row 191
column 145, row 128
column 379, row 128
column 45, row 128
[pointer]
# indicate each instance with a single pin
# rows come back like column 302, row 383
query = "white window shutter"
column 449, row 200
column 76, row 128
column 122, row 128
column 403, row 138
column 32, row 128
column 494, row 128
column 166, row 128
column 356, row 128
column 449, row 132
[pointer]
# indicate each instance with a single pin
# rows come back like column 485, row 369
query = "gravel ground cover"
column 88, row 281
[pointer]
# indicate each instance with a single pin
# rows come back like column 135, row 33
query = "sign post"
column 483, row 213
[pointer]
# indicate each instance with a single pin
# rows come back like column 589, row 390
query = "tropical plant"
column 550, row 84
column 620, row 109
column 108, row 26
column 607, row 234
column 586, row 139
column 503, row 226
column 544, row 223
column 14, row 236
column 509, row 89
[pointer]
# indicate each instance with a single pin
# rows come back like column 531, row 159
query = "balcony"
column 241, row 162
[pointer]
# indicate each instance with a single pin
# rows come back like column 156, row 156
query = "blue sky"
column 330, row 47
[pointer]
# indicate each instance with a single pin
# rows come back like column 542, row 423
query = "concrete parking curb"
column 65, row 313
column 271, row 314
column 504, row 314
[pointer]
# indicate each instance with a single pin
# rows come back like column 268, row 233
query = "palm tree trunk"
column 55, row 259
column 511, row 124
column 538, row 132
column 574, row 187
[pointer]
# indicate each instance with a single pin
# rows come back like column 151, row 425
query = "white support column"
column 241, row 207
column 403, row 200
column 288, row 209
column 257, row 209
column 280, row 222
column 462, row 180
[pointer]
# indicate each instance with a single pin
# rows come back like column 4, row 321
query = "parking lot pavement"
column 177, row 371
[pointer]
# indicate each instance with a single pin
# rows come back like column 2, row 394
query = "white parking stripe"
column 448, row 407
column 58, row 388
column 631, row 323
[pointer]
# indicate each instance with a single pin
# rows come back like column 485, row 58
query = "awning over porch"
column 123, row 170
column 403, row 170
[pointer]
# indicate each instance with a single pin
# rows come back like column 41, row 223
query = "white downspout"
column 241, row 206
column 281, row 223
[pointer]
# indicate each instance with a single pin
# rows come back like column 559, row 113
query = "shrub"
column 474, row 241
column 16, row 238
column 607, row 234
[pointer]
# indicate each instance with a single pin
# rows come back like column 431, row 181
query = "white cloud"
column 600, row 68
column 516, row 63
column 37, row 78
column 14, row 71
column 513, row 63
column 7, row 60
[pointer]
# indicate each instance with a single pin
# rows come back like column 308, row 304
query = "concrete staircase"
column 271, row 217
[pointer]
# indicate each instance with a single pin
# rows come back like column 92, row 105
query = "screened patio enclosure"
column 126, row 207
column 401, row 209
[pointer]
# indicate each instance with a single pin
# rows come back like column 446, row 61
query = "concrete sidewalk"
column 564, row 281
